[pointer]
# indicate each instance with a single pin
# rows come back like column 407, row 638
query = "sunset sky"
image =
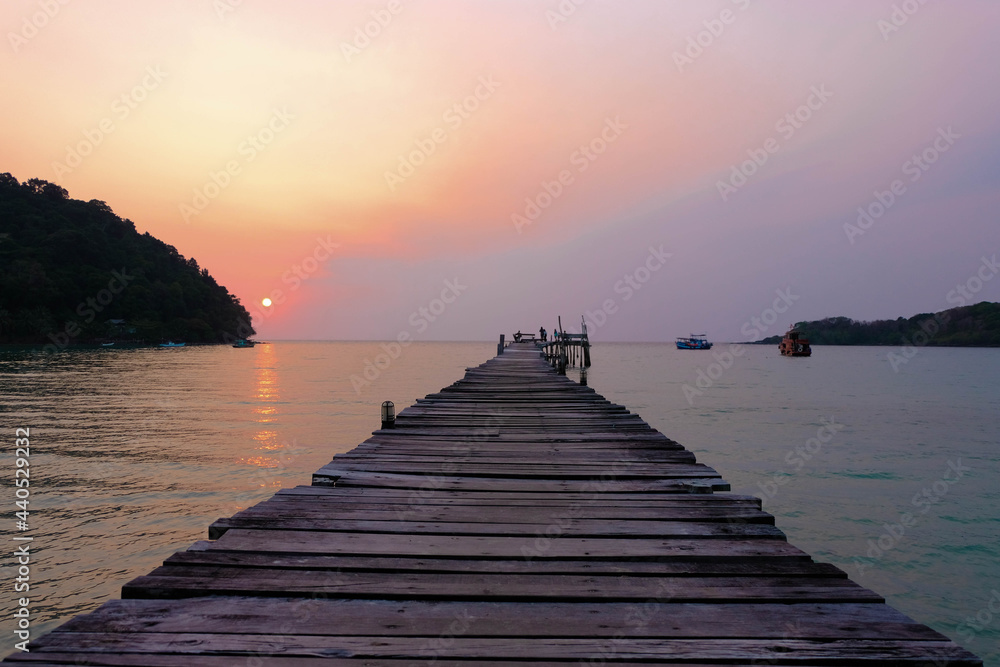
column 499, row 163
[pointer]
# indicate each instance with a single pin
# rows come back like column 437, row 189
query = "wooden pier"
column 568, row 349
column 514, row 516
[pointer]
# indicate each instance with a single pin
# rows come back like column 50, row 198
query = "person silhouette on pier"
column 517, row 336
column 541, row 334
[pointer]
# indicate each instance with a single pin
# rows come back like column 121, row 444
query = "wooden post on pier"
column 561, row 369
column 500, row 346
column 566, row 349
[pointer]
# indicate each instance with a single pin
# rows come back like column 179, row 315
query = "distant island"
column 967, row 326
column 74, row 272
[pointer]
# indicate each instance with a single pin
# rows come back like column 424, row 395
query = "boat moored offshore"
column 694, row 342
column 794, row 345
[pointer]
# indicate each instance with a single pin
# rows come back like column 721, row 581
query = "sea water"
column 889, row 472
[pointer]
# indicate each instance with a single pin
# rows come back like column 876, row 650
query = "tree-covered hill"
column 974, row 326
column 74, row 272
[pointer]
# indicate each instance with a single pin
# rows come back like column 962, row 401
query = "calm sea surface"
column 893, row 476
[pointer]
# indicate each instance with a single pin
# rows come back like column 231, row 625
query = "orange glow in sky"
column 336, row 164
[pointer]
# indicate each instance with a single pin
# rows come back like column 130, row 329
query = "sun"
column 265, row 302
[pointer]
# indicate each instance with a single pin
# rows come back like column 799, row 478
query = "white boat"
column 171, row 343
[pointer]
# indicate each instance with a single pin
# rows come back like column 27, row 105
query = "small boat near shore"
column 171, row 343
column 794, row 345
column 694, row 342
column 244, row 342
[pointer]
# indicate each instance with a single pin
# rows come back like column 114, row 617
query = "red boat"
column 794, row 345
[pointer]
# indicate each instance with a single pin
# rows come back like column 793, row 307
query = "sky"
column 453, row 170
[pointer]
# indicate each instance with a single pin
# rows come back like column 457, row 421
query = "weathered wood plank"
column 458, row 546
column 618, row 470
column 194, row 581
column 784, row 567
column 543, row 516
column 680, row 484
column 567, row 527
column 656, row 617
column 94, row 659
column 775, row 651
column 529, row 498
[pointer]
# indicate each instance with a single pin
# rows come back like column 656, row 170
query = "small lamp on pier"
column 388, row 414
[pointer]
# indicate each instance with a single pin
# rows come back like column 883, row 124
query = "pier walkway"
column 514, row 516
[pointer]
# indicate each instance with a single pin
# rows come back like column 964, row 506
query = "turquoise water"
column 135, row 452
column 857, row 500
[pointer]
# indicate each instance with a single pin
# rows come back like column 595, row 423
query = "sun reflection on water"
column 265, row 391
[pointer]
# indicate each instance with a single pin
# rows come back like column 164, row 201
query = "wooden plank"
column 588, row 528
column 345, row 478
column 618, row 470
column 458, row 546
column 473, row 496
column 482, row 456
column 94, row 659
column 197, row 581
column 510, row 514
column 658, row 618
column 784, row 567
column 775, row 651
column 658, row 505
